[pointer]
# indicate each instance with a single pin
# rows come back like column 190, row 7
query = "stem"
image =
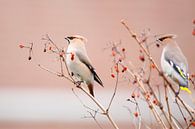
column 167, row 102
column 105, row 112
column 116, row 85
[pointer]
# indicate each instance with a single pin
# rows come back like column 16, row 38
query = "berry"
column 155, row 102
column 124, row 69
column 152, row 66
column 193, row 32
column 142, row 58
column 29, row 58
column 136, row 114
column 193, row 123
column 113, row 53
column 112, row 75
column 123, row 49
column 21, row 46
column 116, row 68
column 133, row 95
column 194, row 21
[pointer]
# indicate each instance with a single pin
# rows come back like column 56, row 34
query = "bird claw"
column 176, row 94
column 78, row 83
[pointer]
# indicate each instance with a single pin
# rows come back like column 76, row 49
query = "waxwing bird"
column 173, row 62
column 78, row 62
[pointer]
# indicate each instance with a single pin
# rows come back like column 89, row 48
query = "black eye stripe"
column 71, row 37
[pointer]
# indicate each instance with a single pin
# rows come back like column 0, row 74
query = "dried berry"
column 133, row 95
column 142, row 58
column 123, row 49
column 29, row 58
column 21, row 46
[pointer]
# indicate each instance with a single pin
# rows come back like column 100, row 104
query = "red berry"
column 116, row 68
column 21, row 46
column 152, row 65
column 155, row 101
column 124, row 69
column 193, row 123
column 136, row 114
column 113, row 53
column 50, row 48
column 123, row 49
column 142, row 58
column 194, row 21
column 112, row 75
column 193, row 32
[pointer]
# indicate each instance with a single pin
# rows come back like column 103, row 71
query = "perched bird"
column 78, row 62
column 173, row 62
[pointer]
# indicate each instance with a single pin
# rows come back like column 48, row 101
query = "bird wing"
column 85, row 59
column 175, row 55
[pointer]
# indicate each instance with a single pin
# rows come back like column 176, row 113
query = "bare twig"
column 104, row 111
column 115, row 89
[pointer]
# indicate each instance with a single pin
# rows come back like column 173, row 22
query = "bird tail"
column 90, row 87
column 185, row 89
column 97, row 79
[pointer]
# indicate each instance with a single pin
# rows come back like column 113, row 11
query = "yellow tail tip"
column 186, row 89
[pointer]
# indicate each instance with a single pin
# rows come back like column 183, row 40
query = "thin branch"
column 181, row 112
column 115, row 89
column 167, row 102
column 105, row 112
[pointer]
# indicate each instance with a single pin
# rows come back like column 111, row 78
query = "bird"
column 173, row 62
column 79, row 64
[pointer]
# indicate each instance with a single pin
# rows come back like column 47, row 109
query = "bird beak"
column 66, row 38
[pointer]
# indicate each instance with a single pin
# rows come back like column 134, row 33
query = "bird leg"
column 78, row 83
column 177, row 93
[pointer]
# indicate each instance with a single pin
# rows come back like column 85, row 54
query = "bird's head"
column 76, row 39
column 165, row 38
